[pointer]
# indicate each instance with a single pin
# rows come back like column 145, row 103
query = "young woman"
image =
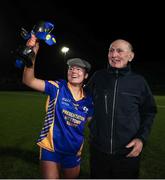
column 61, row 139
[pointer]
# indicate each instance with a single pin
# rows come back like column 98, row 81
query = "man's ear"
column 131, row 56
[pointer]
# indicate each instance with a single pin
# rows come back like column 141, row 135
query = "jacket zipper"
column 106, row 106
column 113, row 110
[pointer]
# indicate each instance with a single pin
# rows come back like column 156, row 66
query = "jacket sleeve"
column 89, row 87
column 148, row 111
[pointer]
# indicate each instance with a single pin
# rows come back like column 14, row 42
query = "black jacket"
column 124, row 109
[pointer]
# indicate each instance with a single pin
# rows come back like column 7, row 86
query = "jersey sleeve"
column 51, row 88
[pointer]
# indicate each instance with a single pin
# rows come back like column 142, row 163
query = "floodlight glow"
column 64, row 50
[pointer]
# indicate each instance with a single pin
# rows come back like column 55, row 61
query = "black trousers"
column 106, row 166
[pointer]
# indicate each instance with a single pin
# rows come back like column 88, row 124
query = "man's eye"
column 111, row 50
column 119, row 50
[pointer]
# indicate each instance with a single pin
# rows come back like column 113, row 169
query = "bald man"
column 124, row 110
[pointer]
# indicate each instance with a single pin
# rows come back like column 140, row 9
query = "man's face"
column 120, row 54
column 76, row 75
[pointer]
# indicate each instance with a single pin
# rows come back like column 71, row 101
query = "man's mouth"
column 115, row 60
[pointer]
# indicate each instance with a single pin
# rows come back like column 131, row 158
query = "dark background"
column 87, row 28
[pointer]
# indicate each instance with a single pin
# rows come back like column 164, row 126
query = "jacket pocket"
column 129, row 102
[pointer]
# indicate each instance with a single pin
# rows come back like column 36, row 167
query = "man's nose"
column 114, row 53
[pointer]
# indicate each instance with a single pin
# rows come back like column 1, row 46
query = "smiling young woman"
column 68, row 109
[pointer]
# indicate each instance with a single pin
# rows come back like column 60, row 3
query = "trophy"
column 42, row 31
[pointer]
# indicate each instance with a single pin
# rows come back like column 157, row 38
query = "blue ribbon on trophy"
column 42, row 31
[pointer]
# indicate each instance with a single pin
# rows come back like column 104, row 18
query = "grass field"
column 21, row 117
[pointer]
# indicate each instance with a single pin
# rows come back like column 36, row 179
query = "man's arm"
column 148, row 111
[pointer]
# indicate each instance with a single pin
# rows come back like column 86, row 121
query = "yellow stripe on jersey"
column 74, row 95
column 54, row 83
column 46, row 136
column 48, row 98
column 47, row 143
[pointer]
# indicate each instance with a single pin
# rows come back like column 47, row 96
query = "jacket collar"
column 120, row 71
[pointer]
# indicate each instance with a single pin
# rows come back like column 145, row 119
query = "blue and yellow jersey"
column 65, row 119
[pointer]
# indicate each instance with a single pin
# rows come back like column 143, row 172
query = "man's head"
column 78, row 70
column 120, row 53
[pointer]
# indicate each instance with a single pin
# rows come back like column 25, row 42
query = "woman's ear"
column 86, row 76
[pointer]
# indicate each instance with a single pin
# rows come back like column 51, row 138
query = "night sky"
column 87, row 29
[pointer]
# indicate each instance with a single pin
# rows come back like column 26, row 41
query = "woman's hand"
column 32, row 42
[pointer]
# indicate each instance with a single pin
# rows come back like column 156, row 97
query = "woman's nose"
column 74, row 70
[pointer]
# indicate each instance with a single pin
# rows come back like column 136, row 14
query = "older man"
column 124, row 110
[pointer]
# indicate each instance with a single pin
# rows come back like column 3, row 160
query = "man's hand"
column 137, row 145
